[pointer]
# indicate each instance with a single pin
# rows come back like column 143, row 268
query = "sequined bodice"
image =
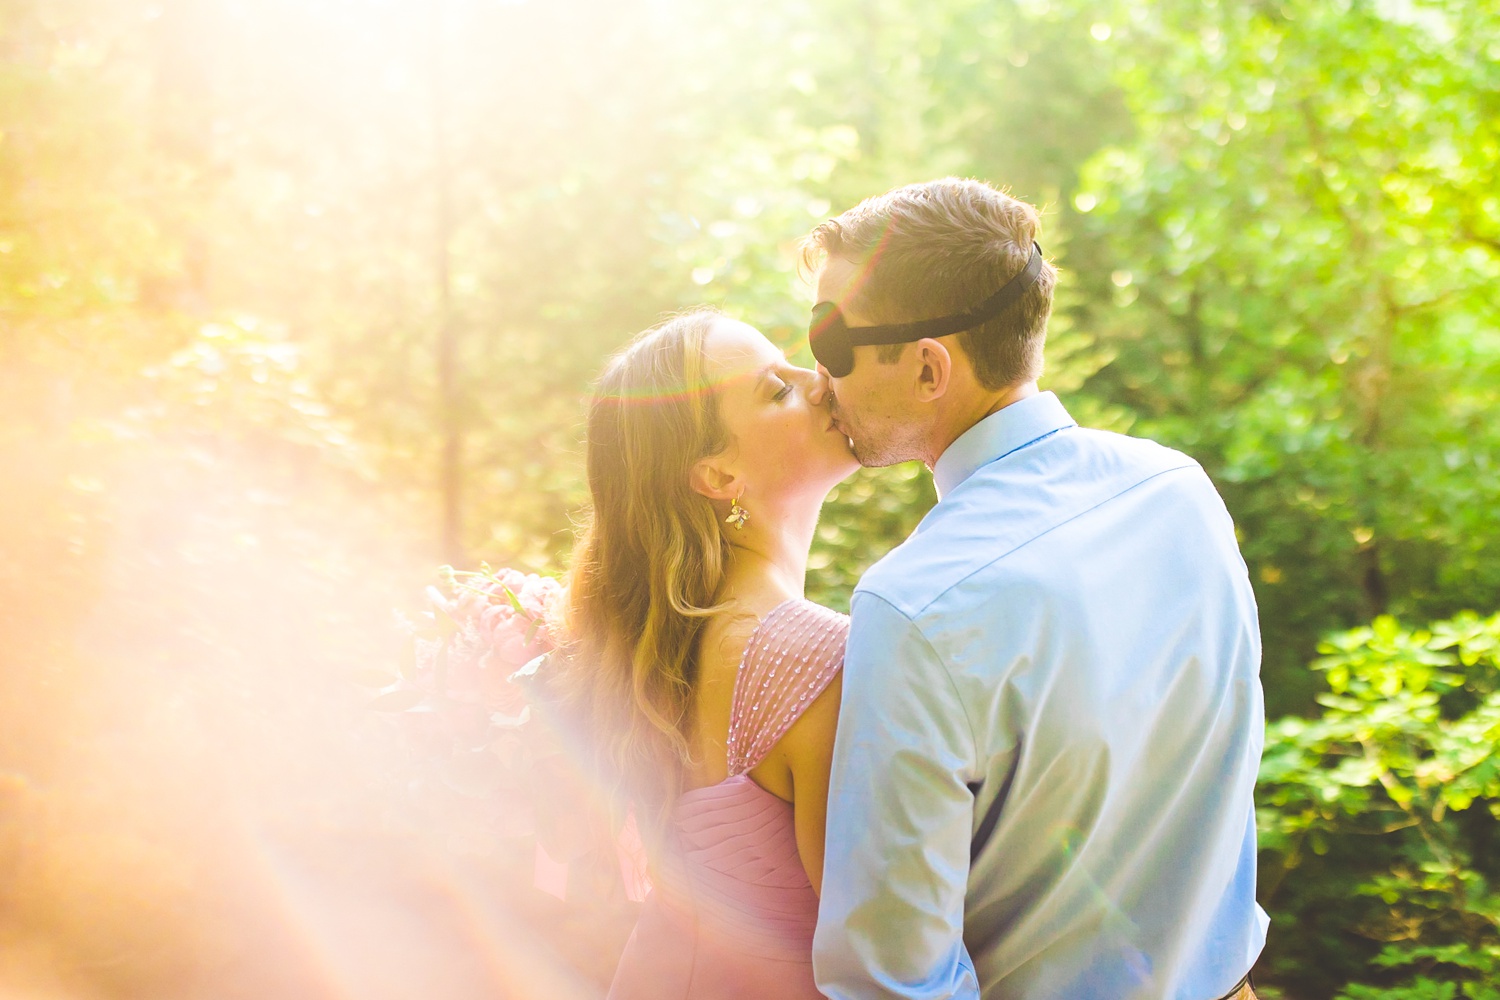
column 791, row 657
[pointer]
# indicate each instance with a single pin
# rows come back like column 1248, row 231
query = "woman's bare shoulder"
column 788, row 624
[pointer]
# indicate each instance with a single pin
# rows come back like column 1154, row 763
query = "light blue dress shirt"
column 1051, row 725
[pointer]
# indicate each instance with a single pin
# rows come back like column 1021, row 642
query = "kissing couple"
column 1022, row 767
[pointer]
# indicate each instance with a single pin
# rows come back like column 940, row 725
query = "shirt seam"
column 947, row 675
column 1041, row 534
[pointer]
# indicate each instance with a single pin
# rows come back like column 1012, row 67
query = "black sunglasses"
column 833, row 341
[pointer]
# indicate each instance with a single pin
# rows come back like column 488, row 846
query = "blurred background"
column 301, row 298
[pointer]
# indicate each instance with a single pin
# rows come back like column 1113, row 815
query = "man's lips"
column 833, row 421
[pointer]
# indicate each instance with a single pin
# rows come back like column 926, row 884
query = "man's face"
column 873, row 405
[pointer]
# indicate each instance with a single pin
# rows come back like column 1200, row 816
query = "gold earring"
column 737, row 514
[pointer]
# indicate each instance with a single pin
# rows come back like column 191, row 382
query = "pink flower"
column 491, row 627
column 507, row 579
column 496, row 690
column 515, row 637
column 464, row 678
column 539, row 595
column 468, row 605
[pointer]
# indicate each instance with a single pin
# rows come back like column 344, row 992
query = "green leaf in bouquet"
column 517, row 820
column 400, row 700
column 515, row 602
column 530, row 670
column 442, row 613
column 475, row 773
column 374, row 677
column 500, row 720
column 508, row 745
column 533, row 678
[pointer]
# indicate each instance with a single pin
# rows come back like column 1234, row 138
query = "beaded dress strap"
column 792, row 655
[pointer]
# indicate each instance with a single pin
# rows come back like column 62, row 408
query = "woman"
column 711, row 687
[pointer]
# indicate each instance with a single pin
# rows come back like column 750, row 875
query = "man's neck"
column 966, row 413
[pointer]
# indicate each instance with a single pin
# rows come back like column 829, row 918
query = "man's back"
column 1050, row 734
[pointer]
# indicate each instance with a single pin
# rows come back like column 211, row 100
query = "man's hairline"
column 857, row 299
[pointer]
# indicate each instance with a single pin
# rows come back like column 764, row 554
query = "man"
column 1052, row 715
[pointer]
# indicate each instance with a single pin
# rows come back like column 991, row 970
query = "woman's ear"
column 714, row 478
column 935, row 369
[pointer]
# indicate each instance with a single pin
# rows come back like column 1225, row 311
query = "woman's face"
column 783, row 441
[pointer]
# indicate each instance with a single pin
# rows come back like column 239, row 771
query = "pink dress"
column 732, row 913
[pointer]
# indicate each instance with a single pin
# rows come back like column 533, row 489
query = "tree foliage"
column 1380, row 817
column 1299, row 288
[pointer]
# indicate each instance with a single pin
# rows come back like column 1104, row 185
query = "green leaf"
column 374, row 677
column 475, row 773
column 401, row 700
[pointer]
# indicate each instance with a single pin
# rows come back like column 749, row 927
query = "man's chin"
column 872, row 458
column 869, row 453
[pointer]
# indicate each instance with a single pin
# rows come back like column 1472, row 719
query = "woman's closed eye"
column 783, row 392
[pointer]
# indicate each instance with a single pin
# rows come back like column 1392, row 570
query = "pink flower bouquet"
column 463, row 716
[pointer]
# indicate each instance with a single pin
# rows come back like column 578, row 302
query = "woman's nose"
column 817, row 391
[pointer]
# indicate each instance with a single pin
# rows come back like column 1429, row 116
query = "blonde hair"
column 648, row 567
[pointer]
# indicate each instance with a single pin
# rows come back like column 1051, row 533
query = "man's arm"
column 900, row 817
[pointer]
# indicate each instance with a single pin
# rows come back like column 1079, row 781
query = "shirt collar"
column 996, row 436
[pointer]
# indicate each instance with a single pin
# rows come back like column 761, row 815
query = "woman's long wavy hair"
column 648, row 567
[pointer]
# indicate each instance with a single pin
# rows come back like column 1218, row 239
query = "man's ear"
column 934, row 369
column 714, row 478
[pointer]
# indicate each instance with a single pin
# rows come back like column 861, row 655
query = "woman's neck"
column 770, row 555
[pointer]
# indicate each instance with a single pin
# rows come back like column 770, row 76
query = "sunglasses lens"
column 840, row 363
column 829, row 339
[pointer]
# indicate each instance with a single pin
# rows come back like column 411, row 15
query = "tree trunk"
column 450, row 405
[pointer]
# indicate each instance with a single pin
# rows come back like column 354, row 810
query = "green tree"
column 1299, row 292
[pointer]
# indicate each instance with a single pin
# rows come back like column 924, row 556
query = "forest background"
column 301, row 298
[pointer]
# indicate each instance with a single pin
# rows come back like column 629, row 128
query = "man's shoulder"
column 1143, row 453
column 1009, row 503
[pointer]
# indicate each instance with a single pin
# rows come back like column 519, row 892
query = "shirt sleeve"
column 900, row 819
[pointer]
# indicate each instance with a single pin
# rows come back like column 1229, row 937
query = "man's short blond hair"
column 940, row 248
